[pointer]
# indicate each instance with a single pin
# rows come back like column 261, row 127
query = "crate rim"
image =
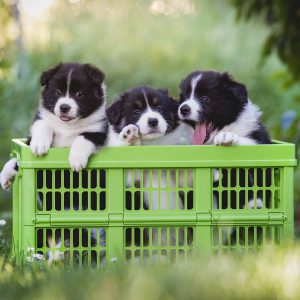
column 278, row 154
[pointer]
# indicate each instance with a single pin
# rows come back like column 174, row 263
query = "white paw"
column 54, row 255
column 216, row 175
column 78, row 161
column 259, row 203
column 80, row 151
column 129, row 134
column 226, row 139
column 40, row 146
column 8, row 173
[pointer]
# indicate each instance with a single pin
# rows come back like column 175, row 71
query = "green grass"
column 272, row 274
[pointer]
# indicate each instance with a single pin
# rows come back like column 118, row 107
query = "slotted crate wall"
column 163, row 203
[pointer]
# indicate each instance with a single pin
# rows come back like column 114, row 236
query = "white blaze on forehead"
column 146, row 99
column 192, row 102
column 142, row 123
column 194, row 83
column 69, row 82
column 67, row 100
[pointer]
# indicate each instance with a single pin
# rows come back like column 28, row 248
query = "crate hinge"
column 42, row 219
column 272, row 218
column 277, row 217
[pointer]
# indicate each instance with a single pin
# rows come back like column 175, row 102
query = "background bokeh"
column 153, row 42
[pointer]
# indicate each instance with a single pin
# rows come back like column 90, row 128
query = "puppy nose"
column 64, row 108
column 152, row 122
column 185, row 110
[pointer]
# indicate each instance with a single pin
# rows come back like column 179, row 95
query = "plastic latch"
column 277, row 217
column 42, row 219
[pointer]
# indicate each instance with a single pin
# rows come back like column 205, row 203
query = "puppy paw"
column 80, row 151
column 8, row 174
column 129, row 134
column 259, row 203
column 5, row 181
column 78, row 161
column 226, row 139
column 40, row 146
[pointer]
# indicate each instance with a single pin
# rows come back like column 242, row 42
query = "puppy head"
column 152, row 110
column 72, row 91
column 210, row 100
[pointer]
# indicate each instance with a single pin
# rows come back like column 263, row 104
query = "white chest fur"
column 63, row 133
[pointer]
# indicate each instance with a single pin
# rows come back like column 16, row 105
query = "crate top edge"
column 277, row 154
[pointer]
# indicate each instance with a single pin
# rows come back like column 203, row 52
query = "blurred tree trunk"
column 21, row 61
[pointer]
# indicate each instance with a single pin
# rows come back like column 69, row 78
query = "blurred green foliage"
column 137, row 42
column 283, row 19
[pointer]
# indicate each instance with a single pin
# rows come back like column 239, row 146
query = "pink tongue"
column 199, row 134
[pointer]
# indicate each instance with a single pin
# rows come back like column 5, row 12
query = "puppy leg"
column 8, row 173
column 54, row 254
column 80, row 151
column 41, row 137
column 83, row 147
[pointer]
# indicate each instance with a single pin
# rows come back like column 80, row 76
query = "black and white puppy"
column 145, row 116
column 219, row 109
column 221, row 113
column 71, row 114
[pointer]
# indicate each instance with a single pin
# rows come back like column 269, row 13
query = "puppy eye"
column 79, row 94
column 137, row 112
column 204, row 98
column 58, row 92
column 159, row 108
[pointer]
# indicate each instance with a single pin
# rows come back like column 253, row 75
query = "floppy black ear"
column 183, row 83
column 94, row 73
column 174, row 109
column 114, row 111
column 48, row 74
column 165, row 92
column 236, row 88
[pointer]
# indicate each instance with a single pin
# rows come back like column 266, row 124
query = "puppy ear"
column 114, row 111
column 182, row 84
column 165, row 92
column 236, row 88
column 94, row 73
column 48, row 74
column 174, row 109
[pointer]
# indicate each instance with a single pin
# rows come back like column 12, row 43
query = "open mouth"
column 202, row 133
column 153, row 131
column 66, row 118
column 151, row 134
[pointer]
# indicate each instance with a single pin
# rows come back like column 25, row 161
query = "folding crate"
column 166, row 202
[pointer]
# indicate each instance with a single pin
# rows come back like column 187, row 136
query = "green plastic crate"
column 100, row 217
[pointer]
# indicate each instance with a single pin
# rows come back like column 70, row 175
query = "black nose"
column 152, row 122
column 185, row 110
column 64, row 108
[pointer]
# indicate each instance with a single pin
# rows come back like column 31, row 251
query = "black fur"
column 97, row 138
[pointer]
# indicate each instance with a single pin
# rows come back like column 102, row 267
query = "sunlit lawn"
column 268, row 275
